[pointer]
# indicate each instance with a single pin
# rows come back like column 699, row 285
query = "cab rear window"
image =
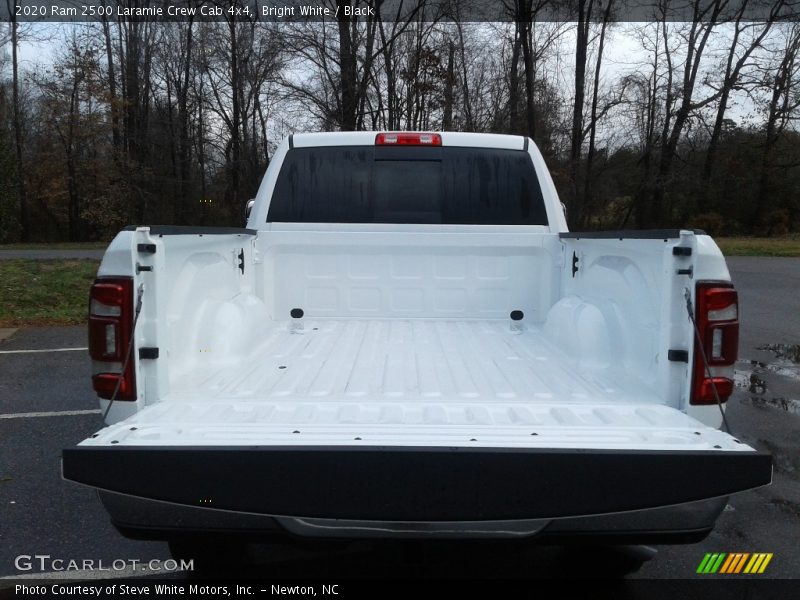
column 436, row 185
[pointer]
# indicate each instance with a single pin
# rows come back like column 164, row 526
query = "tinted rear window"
column 369, row 184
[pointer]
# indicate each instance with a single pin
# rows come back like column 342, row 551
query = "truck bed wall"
column 403, row 274
column 212, row 299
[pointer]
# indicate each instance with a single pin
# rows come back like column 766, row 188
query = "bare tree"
column 594, row 113
column 706, row 17
column 783, row 103
column 113, row 99
column 730, row 80
column 24, row 212
column 584, row 10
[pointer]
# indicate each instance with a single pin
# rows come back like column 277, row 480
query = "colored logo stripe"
column 758, row 563
column 735, row 562
column 703, row 563
column 711, row 563
column 727, row 564
column 740, row 564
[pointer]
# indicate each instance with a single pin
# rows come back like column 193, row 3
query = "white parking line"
column 38, row 351
column 58, row 413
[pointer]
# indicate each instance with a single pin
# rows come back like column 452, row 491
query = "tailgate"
column 413, row 462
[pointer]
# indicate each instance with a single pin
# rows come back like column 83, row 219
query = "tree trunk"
column 235, row 159
column 766, row 158
column 587, row 189
column 530, row 100
column 449, row 84
column 112, row 89
column 74, row 207
column 387, row 49
column 513, row 79
column 576, row 139
column 469, row 123
column 347, row 76
column 697, row 38
column 183, row 135
column 732, row 73
column 131, row 99
column 24, row 212
column 641, row 204
column 201, row 145
column 779, row 90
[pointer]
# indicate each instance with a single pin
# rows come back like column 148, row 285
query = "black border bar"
column 192, row 230
column 416, row 483
column 305, row 11
column 628, row 234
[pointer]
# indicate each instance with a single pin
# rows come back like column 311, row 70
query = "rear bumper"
column 143, row 519
column 416, row 484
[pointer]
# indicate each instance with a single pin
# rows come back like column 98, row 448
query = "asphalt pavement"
column 41, row 514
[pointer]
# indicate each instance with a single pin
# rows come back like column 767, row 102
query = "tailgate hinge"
column 148, row 353
column 683, row 252
column 678, row 356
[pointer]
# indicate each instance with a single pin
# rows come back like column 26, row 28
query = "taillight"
column 717, row 319
column 105, row 384
column 408, row 139
column 110, row 330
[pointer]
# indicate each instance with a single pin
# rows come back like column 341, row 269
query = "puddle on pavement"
column 787, row 404
column 750, row 381
column 790, row 352
column 754, row 376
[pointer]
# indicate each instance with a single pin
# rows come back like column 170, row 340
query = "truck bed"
column 369, row 370
column 412, row 383
column 414, row 361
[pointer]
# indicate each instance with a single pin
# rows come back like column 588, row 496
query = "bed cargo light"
column 110, row 330
column 718, row 323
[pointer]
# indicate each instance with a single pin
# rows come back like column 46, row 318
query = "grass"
column 45, row 292
column 55, row 292
column 57, row 246
column 755, row 246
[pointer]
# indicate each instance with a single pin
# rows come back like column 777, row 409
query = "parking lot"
column 46, row 404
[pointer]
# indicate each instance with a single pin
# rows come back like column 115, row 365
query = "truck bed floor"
column 411, row 383
column 409, row 361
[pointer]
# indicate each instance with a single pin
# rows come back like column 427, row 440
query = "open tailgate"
column 428, row 463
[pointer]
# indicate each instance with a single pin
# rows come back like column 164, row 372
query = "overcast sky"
column 623, row 54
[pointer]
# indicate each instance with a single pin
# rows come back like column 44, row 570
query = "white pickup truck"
column 406, row 341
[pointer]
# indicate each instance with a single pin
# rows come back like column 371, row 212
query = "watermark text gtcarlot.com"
column 45, row 563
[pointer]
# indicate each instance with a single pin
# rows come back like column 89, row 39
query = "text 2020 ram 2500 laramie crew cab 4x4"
column 406, row 341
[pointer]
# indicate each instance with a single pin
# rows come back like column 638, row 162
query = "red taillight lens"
column 105, row 384
column 705, row 393
column 717, row 319
column 408, row 139
column 110, row 330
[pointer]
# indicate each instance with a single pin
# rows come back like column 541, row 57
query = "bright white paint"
column 381, row 422
column 406, row 338
column 555, row 214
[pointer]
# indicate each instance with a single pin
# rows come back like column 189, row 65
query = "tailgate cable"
column 690, row 309
column 139, row 293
